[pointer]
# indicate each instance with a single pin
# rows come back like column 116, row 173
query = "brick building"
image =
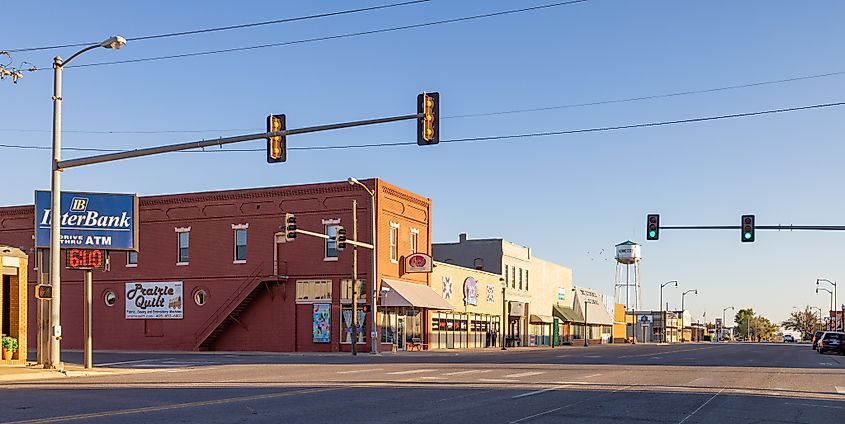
column 237, row 287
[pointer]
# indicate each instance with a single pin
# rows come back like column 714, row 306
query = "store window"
column 346, row 325
column 240, row 245
column 313, row 290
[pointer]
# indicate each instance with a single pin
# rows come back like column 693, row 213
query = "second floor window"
column 520, row 278
column 132, row 258
column 240, row 245
column 183, row 246
column 331, row 244
column 394, row 241
column 414, row 237
column 513, row 277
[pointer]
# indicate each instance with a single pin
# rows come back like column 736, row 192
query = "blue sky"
column 563, row 196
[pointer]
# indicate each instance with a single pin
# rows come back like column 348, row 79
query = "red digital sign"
column 87, row 259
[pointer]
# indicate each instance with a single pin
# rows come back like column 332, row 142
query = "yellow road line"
column 169, row 407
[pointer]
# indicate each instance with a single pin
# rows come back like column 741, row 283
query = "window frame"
column 129, row 262
column 394, row 242
column 236, row 230
column 187, row 233
column 414, row 240
column 331, row 244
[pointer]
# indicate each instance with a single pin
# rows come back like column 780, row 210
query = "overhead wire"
column 490, row 138
column 231, row 27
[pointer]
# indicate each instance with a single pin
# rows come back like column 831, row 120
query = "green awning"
column 566, row 314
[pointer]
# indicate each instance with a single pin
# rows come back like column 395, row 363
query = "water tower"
column 627, row 285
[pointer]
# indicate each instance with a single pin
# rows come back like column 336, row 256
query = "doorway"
column 400, row 332
column 6, row 296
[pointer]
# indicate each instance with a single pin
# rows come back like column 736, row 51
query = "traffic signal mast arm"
column 109, row 157
column 759, row 227
column 327, row 237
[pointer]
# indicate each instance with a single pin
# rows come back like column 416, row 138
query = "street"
column 689, row 383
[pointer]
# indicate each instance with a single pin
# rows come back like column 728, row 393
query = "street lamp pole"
column 723, row 316
column 374, row 327
column 662, row 313
column 54, row 360
column 682, row 311
column 835, row 300
column 831, row 297
column 504, row 325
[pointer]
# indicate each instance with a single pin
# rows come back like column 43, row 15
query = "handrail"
column 215, row 319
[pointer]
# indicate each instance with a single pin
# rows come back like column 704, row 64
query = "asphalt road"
column 690, row 383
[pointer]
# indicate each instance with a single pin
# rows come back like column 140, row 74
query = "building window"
column 513, row 277
column 183, row 247
column 240, row 245
column 526, row 279
column 394, row 241
column 520, row 278
column 331, row 243
column 346, row 290
column 506, row 274
column 415, row 233
column 200, row 297
column 313, row 290
column 110, row 298
column 346, row 325
column 131, row 259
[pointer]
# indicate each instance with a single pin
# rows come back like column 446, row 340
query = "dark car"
column 832, row 341
column 816, row 338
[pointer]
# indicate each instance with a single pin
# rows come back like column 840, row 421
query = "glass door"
column 400, row 332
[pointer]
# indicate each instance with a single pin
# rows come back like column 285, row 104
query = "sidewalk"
column 29, row 372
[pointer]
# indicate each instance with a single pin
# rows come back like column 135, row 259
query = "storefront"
column 540, row 330
column 404, row 307
column 474, row 320
column 568, row 320
column 590, row 304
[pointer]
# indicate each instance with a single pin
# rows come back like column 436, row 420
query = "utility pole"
column 354, row 278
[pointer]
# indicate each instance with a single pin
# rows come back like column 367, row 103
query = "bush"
column 10, row 343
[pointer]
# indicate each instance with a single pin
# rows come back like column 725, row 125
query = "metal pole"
column 54, row 360
column 586, row 328
column 662, row 318
column 88, row 277
column 374, row 332
column 504, row 316
column 682, row 316
column 354, row 278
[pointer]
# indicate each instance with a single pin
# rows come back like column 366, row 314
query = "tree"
column 805, row 322
column 744, row 319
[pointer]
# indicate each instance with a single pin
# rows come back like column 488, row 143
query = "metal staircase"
column 229, row 312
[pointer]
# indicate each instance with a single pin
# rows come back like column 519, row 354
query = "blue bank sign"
column 89, row 220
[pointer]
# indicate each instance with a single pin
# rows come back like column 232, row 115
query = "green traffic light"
column 652, row 233
column 748, row 236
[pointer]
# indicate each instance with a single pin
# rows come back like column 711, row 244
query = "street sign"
column 87, row 259
column 89, row 220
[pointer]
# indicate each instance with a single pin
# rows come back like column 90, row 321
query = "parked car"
column 786, row 338
column 832, row 341
column 816, row 338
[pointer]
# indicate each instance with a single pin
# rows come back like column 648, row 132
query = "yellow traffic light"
column 276, row 145
column 428, row 125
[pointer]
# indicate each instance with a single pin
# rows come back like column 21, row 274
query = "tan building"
column 476, row 299
column 13, row 292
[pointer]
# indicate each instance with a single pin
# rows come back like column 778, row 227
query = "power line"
column 473, row 115
column 231, row 27
column 489, row 138
column 332, row 37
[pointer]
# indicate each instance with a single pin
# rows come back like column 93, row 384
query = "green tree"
column 744, row 320
column 805, row 322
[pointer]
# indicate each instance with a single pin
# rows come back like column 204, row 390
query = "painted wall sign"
column 517, row 309
column 418, row 262
column 89, row 220
column 322, row 323
column 154, row 300
column 470, row 291
column 491, row 293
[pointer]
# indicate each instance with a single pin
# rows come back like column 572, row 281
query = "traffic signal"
column 340, row 238
column 277, row 150
column 652, row 231
column 747, row 228
column 428, row 125
column 290, row 227
column 43, row 291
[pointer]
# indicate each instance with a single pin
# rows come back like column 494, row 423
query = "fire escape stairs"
column 229, row 312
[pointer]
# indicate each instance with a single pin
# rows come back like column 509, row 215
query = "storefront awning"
column 413, row 295
column 566, row 314
column 541, row 319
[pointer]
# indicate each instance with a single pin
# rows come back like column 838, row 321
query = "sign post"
column 87, row 260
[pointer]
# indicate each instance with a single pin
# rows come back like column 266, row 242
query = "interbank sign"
column 89, row 220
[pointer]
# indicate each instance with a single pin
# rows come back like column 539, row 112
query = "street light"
column 835, row 300
column 831, row 295
column 374, row 330
column 723, row 316
column 820, row 316
column 115, row 42
column 662, row 314
column 682, row 310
